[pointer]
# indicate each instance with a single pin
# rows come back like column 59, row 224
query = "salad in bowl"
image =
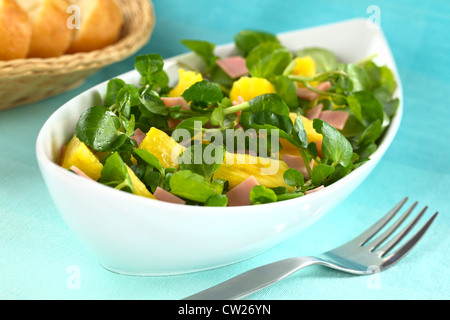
column 262, row 125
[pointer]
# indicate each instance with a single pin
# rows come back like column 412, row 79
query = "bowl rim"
column 385, row 143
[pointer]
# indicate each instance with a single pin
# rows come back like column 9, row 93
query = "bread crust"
column 15, row 31
column 100, row 28
column 51, row 35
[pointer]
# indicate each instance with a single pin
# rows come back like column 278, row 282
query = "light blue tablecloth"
column 39, row 256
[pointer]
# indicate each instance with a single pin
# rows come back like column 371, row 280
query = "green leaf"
column 371, row 108
column 335, row 147
column 151, row 104
column 204, row 92
column 217, row 200
column 371, row 134
column 320, row 173
column 271, row 102
column 115, row 174
column 265, row 117
column 202, row 159
column 261, row 195
column 127, row 97
column 359, row 77
column 191, row 127
column 268, row 60
column 150, row 67
column 217, row 117
column 247, row 40
column 112, row 90
column 202, row 48
column 143, row 156
column 289, row 196
column 299, row 133
column 293, row 178
column 99, row 128
column 325, row 59
column 287, row 90
column 189, row 185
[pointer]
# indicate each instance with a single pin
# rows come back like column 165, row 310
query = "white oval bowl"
column 139, row 236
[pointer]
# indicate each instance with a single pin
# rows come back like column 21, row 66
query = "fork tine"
column 403, row 250
column 364, row 237
column 394, row 241
column 382, row 237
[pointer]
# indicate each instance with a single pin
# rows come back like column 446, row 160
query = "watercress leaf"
column 115, row 174
column 271, row 102
column 260, row 195
column 127, row 97
column 203, row 92
column 143, row 156
column 202, row 159
column 359, row 77
column 279, row 190
column 325, row 59
column 387, row 80
column 339, row 173
column 189, row 185
column 189, row 128
column 287, row 90
column 289, row 196
column 370, row 134
column 266, row 117
column 247, row 40
column 151, row 104
column 299, row 133
column 217, row 200
column 202, row 48
column 320, row 173
column 99, row 128
column 268, row 60
column 220, row 185
column 152, row 179
column 112, row 90
column 217, row 116
column 312, row 150
column 293, row 178
column 335, row 146
column 371, row 108
column 150, row 67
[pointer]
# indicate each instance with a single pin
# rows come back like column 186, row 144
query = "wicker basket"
column 29, row 80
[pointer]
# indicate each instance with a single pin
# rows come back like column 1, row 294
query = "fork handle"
column 254, row 279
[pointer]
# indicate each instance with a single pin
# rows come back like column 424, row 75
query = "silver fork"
column 360, row 256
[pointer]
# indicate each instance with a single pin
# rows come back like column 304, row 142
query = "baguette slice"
column 101, row 24
column 15, row 31
column 51, row 36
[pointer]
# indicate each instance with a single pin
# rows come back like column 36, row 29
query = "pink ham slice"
column 139, row 136
column 335, row 118
column 306, row 94
column 315, row 112
column 166, row 196
column 314, row 190
column 176, row 101
column 79, row 172
column 240, row 195
column 296, row 162
column 172, row 102
column 235, row 66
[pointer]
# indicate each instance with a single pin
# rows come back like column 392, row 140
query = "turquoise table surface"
column 39, row 255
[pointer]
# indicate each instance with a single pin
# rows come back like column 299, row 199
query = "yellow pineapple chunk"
column 186, row 80
column 238, row 167
column 139, row 187
column 79, row 155
column 305, row 67
column 163, row 147
column 250, row 87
